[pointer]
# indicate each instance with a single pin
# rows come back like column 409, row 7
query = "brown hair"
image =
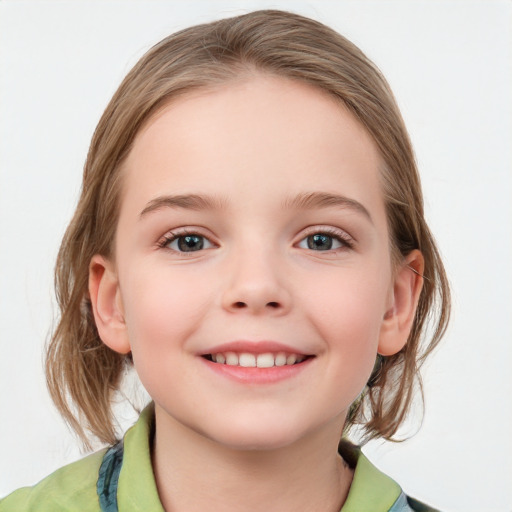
column 82, row 372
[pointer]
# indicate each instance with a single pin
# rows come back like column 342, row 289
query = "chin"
column 255, row 435
column 258, row 441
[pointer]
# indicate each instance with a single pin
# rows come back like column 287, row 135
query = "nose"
column 256, row 285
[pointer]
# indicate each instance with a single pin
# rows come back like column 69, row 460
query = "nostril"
column 239, row 305
column 273, row 304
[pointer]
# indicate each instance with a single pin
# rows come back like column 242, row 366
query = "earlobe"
column 107, row 304
column 399, row 316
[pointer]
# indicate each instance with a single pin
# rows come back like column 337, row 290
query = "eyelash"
column 173, row 236
column 342, row 237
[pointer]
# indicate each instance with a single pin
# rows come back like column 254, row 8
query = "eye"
column 324, row 241
column 187, row 242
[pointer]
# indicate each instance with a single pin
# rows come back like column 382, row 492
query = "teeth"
column 231, row 359
column 265, row 361
column 291, row 359
column 280, row 359
column 248, row 360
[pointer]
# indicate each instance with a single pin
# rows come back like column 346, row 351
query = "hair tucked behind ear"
column 82, row 372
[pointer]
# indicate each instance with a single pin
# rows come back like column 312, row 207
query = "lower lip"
column 258, row 375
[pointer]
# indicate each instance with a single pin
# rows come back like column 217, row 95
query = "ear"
column 402, row 303
column 107, row 305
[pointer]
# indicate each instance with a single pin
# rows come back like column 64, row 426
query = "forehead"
column 260, row 133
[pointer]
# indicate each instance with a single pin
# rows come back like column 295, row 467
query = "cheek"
column 162, row 311
column 161, row 307
column 350, row 301
column 347, row 313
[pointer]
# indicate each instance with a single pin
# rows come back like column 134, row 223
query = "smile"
column 256, row 362
column 250, row 360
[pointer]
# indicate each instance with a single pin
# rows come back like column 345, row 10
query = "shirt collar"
column 137, row 487
column 370, row 489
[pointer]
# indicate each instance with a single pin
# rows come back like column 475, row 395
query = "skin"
column 254, row 146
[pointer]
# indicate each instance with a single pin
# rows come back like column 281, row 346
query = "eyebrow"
column 303, row 201
column 311, row 200
column 185, row 201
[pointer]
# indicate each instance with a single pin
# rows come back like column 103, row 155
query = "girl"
column 250, row 236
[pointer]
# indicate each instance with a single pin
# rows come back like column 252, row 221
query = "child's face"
column 272, row 192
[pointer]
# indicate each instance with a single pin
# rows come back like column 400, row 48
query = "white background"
column 450, row 66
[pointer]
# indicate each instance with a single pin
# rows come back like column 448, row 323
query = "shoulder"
column 407, row 504
column 72, row 487
column 418, row 506
column 75, row 486
column 373, row 490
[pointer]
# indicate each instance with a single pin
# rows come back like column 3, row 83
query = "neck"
column 194, row 473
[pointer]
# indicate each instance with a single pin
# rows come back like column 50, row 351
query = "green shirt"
column 74, row 487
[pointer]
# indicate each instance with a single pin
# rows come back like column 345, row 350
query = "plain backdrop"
column 450, row 66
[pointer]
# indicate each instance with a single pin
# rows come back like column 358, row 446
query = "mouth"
column 260, row 360
column 256, row 362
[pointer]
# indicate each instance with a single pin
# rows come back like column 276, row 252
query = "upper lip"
column 254, row 347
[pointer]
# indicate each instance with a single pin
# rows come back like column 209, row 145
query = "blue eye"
column 187, row 243
column 320, row 242
column 323, row 242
